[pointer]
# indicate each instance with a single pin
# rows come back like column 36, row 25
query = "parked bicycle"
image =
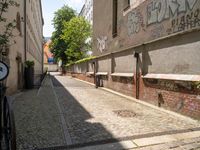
column 7, row 123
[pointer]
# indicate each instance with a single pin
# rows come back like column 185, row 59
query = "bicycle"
column 7, row 123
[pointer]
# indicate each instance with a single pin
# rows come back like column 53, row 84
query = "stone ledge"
column 89, row 73
column 101, row 73
column 178, row 77
column 122, row 74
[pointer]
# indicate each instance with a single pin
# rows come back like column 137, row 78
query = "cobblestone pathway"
column 69, row 112
column 91, row 116
column 37, row 119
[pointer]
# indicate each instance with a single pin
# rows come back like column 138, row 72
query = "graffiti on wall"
column 182, row 15
column 135, row 22
column 157, row 31
column 101, row 43
column 159, row 10
column 186, row 22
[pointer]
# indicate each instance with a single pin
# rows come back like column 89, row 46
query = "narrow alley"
column 66, row 113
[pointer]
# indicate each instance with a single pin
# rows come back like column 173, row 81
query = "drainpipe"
column 25, row 30
column 136, row 55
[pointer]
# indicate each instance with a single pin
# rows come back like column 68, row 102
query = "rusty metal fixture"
column 160, row 99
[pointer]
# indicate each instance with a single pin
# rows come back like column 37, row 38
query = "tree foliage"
column 71, row 32
column 6, row 33
column 58, row 45
column 75, row 33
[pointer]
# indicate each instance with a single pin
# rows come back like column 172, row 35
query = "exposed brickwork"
column 82, row 77
column 186, row 102
column 183, row 99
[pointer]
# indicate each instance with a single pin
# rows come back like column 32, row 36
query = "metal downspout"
column 25, row 30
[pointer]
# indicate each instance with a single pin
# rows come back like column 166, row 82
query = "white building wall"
column 87, row 11
column 34, row 34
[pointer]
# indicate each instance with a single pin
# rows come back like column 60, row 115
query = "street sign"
column 4, row 71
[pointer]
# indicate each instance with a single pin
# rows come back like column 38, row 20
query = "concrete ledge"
column 178, row 77
column 101, row 73
column 89, row 73
column 122, row 74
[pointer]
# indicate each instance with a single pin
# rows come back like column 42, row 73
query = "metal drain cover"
column 125, row 113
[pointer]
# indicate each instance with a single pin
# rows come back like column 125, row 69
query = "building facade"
column 148, row 49
column 87, row 11
column 27, row 43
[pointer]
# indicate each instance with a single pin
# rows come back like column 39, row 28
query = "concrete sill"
column 101, row 73
column 122, row 74
column 89, row 73
column 178, row 77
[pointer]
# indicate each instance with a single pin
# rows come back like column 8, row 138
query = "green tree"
column 58, row 45
column 75, row 33
column 6, row 30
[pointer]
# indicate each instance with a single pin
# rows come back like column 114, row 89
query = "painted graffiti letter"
column 101, row 43
column 135, row 21
column 159, row 10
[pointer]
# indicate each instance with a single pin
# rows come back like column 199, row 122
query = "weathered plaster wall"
column 177, row 55
column 104, row 64
column 150, row 21
column 15, row 50
column 124, row 62
column 80, row 68
column 90, row 66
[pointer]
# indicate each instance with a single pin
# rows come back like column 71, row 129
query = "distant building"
column 87, row 11
column 28, row 42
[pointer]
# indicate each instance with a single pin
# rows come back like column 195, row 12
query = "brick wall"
column 181, row 97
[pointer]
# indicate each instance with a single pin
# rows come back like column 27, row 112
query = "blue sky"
column 50, row 6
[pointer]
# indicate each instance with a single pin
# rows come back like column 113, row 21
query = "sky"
column 50, row 6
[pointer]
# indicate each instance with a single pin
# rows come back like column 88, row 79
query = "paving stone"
column 187, row 135
column 154, row 140
column 89, row 115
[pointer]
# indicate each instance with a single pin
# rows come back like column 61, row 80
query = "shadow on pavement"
column 81, row 132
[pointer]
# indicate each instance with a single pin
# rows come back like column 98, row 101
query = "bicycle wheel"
column 9, row 126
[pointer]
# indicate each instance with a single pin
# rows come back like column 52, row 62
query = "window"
column 132, row 4
column 115, row 11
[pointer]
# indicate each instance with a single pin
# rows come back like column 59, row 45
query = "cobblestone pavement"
column 90, row 114
column 37, row 119
column 69, row 112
